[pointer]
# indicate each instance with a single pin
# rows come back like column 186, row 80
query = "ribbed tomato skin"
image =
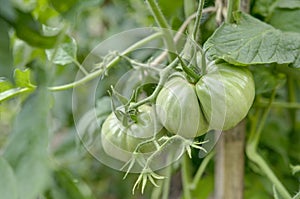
column 225, row 94
column 219, row 100
column 179, row 110
column 119, row 141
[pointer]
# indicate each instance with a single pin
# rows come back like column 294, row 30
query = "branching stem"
column 253, row 155
column 112, row 63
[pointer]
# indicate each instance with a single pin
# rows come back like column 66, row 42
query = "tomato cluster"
column 219, row 100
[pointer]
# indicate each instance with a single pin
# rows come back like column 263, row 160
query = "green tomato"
column 179, row 110
column 219, row 100
column 119, row 141
column 226, row 94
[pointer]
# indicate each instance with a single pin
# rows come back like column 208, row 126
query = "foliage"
column 44, row 45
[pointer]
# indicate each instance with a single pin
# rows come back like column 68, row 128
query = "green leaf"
column 63, row 6
column 286, row 19
column 65, row 54
column 45, row 12
column 66, row 186
column 5, row 85
column 292, row 4
column 22, row 53
column 8, row 183
column 5, row 50
column 251, row 41
column 72, row 8
column 22, row 85
column 265, row 80
column 189, row 71
column 6, row 10
column 22, row 78
column 263, row 7
column 30, row 31
column 27, row 146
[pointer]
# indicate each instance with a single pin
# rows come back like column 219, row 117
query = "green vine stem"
column 179, row 33
column 14, row 92
column 189, row 8
column 201, row 169
column 277, row 104
column 189, row 184
column 163, row 189
column 164, row 74
column 297, row 196
column 292, row 99
column 167, row 180
column 99, row 72
column 196, row 35
column 162, row 22
column 251, row 149
column 232, row 6
column 196, row 30
column 185, row 175
column 80, row 67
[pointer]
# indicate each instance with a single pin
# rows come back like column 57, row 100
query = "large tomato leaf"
column 286, row 16
column 26, row 150
column 8, row 183
column 64, row 54
column 292, row 4
column 250, row 41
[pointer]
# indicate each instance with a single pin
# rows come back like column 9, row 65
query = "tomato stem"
column 80, row 67
column 167, row 181
column 254, row 156
column 292, row 99
column 162, row 22
column 185, row 173
column 189, row 9
column 164, row 74
column 201, row 169
column 112, row 63
column 278, row 104
column 232, row 6
column 196, row 30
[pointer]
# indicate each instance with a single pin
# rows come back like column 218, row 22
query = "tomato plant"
column 84, row 90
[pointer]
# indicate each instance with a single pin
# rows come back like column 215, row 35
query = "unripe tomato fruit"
column 235, row 86
column 219, row 100
column 179, row 110
column 119, row 141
